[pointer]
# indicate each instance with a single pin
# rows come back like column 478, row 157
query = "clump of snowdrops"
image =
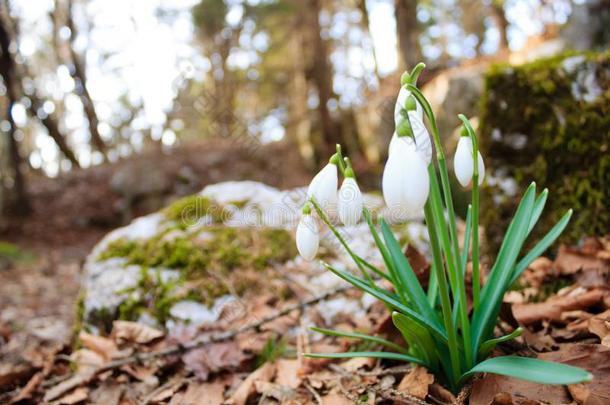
column 438, row 328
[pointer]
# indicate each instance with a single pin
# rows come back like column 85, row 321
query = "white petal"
column 422, row 137
column 416, row 183
column 403, row 94
column 393, row 173
column 481, row 168
column 307, row 238
column 462, row 161
column 350, row 202
column 323, row 187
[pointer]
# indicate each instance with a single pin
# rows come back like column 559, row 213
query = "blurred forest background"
column 109, row 108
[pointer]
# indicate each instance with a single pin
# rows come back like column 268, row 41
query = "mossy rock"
column 548, row 122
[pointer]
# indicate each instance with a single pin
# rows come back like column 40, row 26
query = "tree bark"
column 407, row 30
column 7, row 70
column 36, row 103
column 366, row 26
column 78, row 73
column 499, row 16
column 322, row 76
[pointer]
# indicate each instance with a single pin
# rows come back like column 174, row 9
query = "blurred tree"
column 36, row 103
column 62, row 17
column 498, row 14
column 407, row 29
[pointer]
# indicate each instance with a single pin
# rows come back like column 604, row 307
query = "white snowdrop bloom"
column 403, row 94
column 350, row 202
column 323, row 187
column 307, row 237
column 423, row 141
column 405, row 182
column 462, row 162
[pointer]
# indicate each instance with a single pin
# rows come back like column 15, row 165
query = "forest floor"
column 564, row 305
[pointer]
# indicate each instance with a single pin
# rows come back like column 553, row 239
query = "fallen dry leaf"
column 67, row 385
column 570, row 261
column 78, row 395
column 247, row 387
column 288, row 373
column 553, row 308
column 87, row 360
column 600, row 325
column 416, row 382
column 108, row 393
column 357, row 363
column 124, row 331
column 270, row 390
column 103, row 346
column 595, row 359
column 213, row 393
column 335, row 399
column 213, row 358
column 501, row 389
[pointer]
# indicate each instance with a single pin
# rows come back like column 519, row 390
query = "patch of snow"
column 329, row 309
column 196, row 314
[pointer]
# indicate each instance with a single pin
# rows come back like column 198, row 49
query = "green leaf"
column 416, row 336
column 495, row 287
column 382, row 249
column 538, row 371
column 356, row 335
column 390, row 300
column 538, row 208
column 406, row 275
column 490, row 344
column 541, row 246
column 376, row 355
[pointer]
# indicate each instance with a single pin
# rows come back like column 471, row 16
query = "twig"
column 205, row 340
column 395, row 395
column 313, row 392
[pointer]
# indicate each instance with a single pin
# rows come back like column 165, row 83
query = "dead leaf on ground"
column 124, row 331
column 336, row 399
column 212, row 358
column 67, row 385
column 87, row 360
column 103, row 346
column 108, row 393
column 416, row 382
column 595, row 359
column 288, row 373
column 440, row 393
column 570, row 261
column 14, row 371
column 213, row 393
column 493, row 388
column 357, row 363
column 600, row 325
column 78, row 395
column 247, row 387
column 554, row 307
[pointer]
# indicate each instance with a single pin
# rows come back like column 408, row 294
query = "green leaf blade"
column 362, row 336
column 534, row 370
column 376, row 355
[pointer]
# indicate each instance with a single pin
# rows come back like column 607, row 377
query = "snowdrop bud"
column 323, row 187
column 308, row 239
column 462, row 162
column 401, row 103
column 405, row 182
column 350, row 202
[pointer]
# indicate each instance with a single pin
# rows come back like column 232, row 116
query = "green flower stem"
column 458, row 288
column 444, row 294
column 357, row 259
column 476, row 283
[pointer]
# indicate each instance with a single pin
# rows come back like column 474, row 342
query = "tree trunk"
column 79, row 75
column 407, row 29
column 36, row 103
column 366, row 26
column 7, row 70
column 501, row 22
column 322, row 76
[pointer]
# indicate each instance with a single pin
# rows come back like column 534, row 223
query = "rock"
column 172, row 267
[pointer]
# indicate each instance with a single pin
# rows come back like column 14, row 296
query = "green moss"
column 187, row 211
column 565, row 142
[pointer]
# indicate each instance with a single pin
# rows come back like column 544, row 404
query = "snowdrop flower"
column 423, row 142
column 323, row 187
column 401, row 103
column 405, row 182
column 462, row 162
column 307, row 237
column 350, row 200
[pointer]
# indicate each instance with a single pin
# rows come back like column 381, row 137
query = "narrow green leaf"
column 363, row 336
column 387, row 260
column 490, row 344
column 538, row 371
column 541, row 246
column 464, row 258
column 416, row 336
column 406, row 275
column 376, row 355
column 495, row 287
column 384, row 296
column 538, row 208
